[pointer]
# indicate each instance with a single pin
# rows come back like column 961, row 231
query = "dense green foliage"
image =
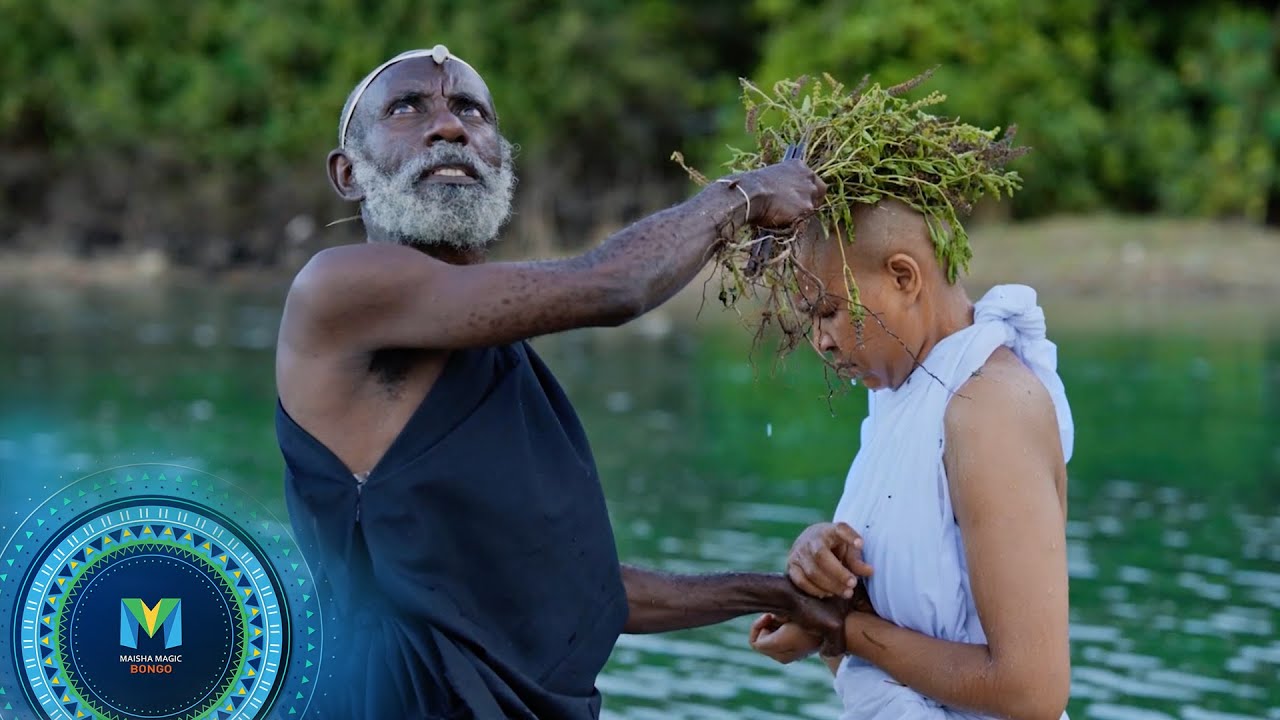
column 1129, row 105
column 245, row 83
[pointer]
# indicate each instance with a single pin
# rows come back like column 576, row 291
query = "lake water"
column 709, row 464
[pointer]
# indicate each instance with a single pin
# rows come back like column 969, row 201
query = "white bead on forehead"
column 439, row 54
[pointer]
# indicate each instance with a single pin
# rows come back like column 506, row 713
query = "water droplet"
column 618, row 402
column 205, row 335
column 200, row 410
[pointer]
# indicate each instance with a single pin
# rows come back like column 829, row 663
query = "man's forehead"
column 424, row 75
column 425, row 72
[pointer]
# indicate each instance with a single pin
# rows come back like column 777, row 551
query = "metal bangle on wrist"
column 733, row 183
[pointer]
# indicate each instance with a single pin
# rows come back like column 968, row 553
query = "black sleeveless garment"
column 474, row 573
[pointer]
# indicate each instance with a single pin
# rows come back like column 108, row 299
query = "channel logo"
column 153, row 592
column 135, row 616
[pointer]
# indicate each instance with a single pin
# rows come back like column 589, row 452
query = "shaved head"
column 891, row 269
column 887, row 228
column 880, row 232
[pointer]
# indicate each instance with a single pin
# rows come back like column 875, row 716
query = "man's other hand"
column 821, row 617
column 783, row 641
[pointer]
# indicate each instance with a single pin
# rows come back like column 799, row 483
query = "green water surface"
column 709, row 464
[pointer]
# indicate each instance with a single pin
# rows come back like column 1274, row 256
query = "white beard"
column 412, row 212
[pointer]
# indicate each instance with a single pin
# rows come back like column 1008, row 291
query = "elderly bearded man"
column 438, row 479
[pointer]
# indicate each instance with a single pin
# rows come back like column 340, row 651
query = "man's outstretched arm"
column 662, row 602
column 375, row 295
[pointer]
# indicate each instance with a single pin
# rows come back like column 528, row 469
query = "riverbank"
column 1130, row 257
column 1124, row 271
column 1101, row 262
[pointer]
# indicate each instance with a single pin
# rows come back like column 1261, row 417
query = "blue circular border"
column 67, row 638
column 160, row 517
column 201, row 494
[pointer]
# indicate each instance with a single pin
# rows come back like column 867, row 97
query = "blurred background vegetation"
column 200, row 128
column 136, row 134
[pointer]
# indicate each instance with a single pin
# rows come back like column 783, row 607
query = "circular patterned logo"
column 157, row 592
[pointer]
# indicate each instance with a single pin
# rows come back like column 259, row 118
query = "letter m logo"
column 135, row 616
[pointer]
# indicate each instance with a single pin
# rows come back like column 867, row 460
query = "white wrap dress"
column 897, row 497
